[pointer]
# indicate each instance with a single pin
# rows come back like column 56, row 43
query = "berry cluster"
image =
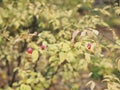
column 30, row 50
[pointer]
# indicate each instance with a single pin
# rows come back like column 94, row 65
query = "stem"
column 8, row 70
column 18, row 65
column 15, row 73
column 52, row 76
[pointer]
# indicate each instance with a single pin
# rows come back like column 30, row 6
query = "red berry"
column 29, row 50
column 88, row 46
column 42, row 47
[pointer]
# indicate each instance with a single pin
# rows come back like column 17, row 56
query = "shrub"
column 43, row 45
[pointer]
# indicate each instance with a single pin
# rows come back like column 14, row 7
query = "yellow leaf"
column 35, row 56
column 87, row 57
column 25, row 87
column 70, row 57
column 65, row 47
column 62, row 57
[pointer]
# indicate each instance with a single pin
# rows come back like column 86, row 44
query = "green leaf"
column 25, row 87
column 33, row 45
column 53, row 60
column 1, row 21
column 65, row 47
column 87, row 57
column 30, row 80
column 104, row 23
column 117, row 11
column 62, row 57
column 70, row 57
column 35, row 56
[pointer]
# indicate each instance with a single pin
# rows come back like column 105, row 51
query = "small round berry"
column 29, row 50
column 89, row 46
column 43, row 47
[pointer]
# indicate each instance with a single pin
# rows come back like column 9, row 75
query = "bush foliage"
column 54, row 45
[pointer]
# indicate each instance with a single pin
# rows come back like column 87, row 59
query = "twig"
column 18, row 65
column 15, row 73
column 111, row 40
column 52, row 76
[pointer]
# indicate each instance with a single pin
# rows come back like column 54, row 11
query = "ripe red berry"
column 43, row 47
column 89, row 46
column 29, row 50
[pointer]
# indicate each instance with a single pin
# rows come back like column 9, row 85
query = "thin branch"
column 52, row 76
column 15, row 73
column 111, row 40
column 18, row 65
